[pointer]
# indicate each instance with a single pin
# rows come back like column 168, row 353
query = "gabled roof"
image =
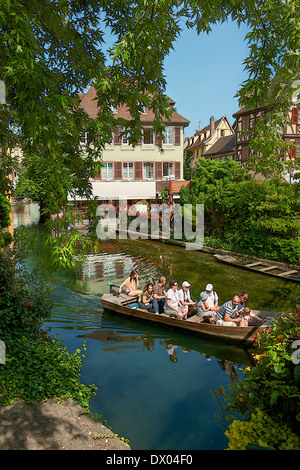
column 89, row 104
column 223, row 145
column 200, row 134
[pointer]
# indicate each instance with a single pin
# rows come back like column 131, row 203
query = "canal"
column 154, row 384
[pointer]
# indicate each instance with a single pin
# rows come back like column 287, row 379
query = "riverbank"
column 50, row 425
column 211, row 250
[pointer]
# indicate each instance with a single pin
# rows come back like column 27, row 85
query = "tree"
column 51, row 50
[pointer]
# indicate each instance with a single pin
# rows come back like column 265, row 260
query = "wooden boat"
column 119, row 304
column 279, row 270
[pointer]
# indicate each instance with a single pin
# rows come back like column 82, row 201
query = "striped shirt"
column 226, row 309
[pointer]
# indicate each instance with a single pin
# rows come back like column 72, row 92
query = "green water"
column 154, row 384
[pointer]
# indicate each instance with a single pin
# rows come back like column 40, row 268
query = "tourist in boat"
column 159, row 295
column 203, row 309
column 245, row 311
column 248, row 315
column 131, row 284
column 147, row 297
column 184, row 295
column 228, row 315
column 173, row 304
column 213, row 298
column 242, row 301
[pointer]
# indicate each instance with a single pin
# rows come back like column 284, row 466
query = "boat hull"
column 193, row 325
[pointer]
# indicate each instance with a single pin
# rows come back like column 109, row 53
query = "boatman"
column 227, row 313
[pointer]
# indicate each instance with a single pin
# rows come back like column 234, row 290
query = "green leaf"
column 297, row 373
column 274, row 396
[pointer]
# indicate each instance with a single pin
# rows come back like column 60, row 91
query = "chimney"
column 212, row 125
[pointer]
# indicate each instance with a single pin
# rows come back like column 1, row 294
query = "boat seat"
column 251, row 265
column 269, row 268
column 288, row 273
column 195, row 319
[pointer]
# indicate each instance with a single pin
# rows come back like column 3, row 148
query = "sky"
column 204, row 72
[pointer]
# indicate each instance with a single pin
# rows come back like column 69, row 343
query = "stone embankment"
column 51, row 425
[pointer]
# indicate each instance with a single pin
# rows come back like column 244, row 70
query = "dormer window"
column 113, row 108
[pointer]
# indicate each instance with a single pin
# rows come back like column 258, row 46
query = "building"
column 202, row 143
column 245, row 120
column 139, row 172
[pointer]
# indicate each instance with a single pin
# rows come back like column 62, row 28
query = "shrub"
column 261, row 431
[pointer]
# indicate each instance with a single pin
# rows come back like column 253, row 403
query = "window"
column 143, row 108
column 168, row 136
column 113, row 108
column 84, row 138
column 107, row 171
column 148, row 136
column 148, row 170
column 298, row 148
column 128, row 170
column 222, row 132
column 125, row 137
column 167, row 169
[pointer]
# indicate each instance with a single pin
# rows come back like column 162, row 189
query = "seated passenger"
column 159, row 295
column 227, row 314
column 213, row 298
column 184, row 296
column 242, row 301
column 173, row 304
column 246, row 312
column 204, row 309
column 147, row 297
column 247, row 315
column 131, row 284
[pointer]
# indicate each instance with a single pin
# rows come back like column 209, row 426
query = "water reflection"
column 97, row 270
column 25, row 214
column 116, row 340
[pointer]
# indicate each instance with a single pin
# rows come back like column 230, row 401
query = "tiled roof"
column 224, row 144
column 199, row 136
column 89, row 104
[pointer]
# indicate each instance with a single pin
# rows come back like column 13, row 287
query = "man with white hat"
column 213, row 298
column 184, row 295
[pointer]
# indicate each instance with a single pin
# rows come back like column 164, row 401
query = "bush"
column 260, row 219
column 36, row 366
column 269, row 396
column 36, row 370
column 261, row 431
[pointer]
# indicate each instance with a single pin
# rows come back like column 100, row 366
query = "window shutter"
column 295, row 112
column 158, row 170
column 293, row 150
column 177, row 170
column 177, row 135
column 118, row 170
column 245, row 153
column 117, row 136
column 138, row 170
